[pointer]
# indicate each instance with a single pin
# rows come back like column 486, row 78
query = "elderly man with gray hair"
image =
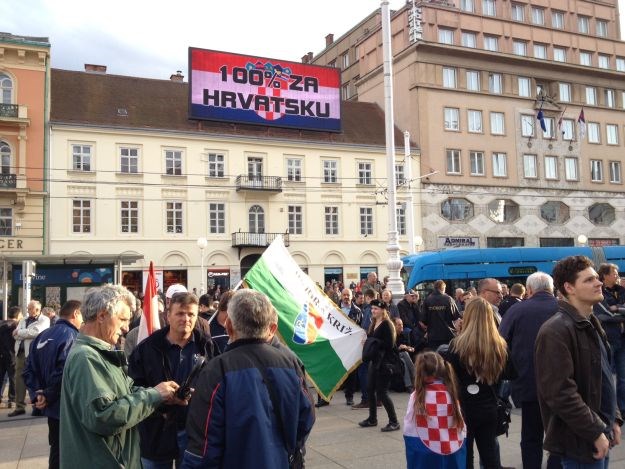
column 520, row 327
column 100, row 406
column 251, row 406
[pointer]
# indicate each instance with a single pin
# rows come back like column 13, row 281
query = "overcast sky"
column 151, row 38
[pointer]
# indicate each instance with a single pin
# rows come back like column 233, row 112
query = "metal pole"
column 202, row 271
column 394, row 263
column 410, row 203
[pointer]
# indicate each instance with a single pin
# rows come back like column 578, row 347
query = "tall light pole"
column 394, row 263
column 202, row 243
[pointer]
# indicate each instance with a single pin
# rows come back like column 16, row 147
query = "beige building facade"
column 470, row 80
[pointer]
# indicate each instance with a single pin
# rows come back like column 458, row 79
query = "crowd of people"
column 215, row 378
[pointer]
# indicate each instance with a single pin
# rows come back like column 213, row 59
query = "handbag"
column 371, row 349
column 504, row 411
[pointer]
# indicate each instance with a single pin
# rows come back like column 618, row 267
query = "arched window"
column 5, row 158
column 257, row 219
column 6, row 89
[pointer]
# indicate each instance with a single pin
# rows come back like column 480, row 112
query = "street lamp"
column 202, row 243
column 582, row 239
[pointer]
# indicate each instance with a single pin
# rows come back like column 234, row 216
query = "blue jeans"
column 618, row 367
column 182, row 439
column 568, row 463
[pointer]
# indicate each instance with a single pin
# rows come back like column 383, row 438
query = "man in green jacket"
column 100, row 406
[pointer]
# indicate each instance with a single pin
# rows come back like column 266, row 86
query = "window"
column 591, row 95
column 504, row 242
column 453, row 161
column 446, row 36
column 570, row 169
column 216, row 165
column 330, row 171
column 294, row 169
column 400, row 175
column 216, row 218
column 564, row 92
column 81, row 216
column 345, row 60
column 469, row 39
column 556, row 242
column 557, row 19
column 452, row 118
column 611, row 131
column 517, row 12
column 603, row 61
column 602, row 28
column 596, row 170
column 503, row 211
column 497, row 126
column 568, row 129
column 475, row 121
column 81, row 157
column 620, row 64
column 491, row 43
column 457, row 209
column 550, row 128
column 173, row 215
column 130, row 216
column 256, row 219
column 5, row 158
column 129, row 160
column 527, row 126
column 6, row 89
column 559, row 54
column 331, row 220
column 593, row 132
column 538, row 15
column 583, row 24
column 524, row 87
column 540, row 51
column 6, row 222
column 473, row 80
column 173, row 162
column 554, row 212
column 519, row 47
column 364, row 173
column 366, row 221
column 601, row 214
column 609, row 98
column 488, row 8
column 449, row 77
column 530, row 166
column 467, row 5
column 615, row 172
column 495, row 83
column 551, row 167
column 295, row 219
column 477, row 163
column 345, row 92
column 500, row 165
column 401, row 220
column 585, row 58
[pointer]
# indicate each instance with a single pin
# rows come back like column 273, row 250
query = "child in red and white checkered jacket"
column 434, row 430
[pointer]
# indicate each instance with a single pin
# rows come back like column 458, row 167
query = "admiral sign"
column 255, row 90
column 445, row 242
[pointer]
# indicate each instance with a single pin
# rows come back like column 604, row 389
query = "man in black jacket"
column 439, row 311
column 169, row 354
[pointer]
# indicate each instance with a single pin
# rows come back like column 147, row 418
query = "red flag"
column 149, row 320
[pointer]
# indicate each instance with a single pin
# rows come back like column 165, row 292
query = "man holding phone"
column 170, row 353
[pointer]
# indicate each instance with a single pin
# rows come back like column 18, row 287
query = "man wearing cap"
column 172, row 290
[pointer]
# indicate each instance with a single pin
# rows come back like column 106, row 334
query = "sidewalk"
column 336, row 440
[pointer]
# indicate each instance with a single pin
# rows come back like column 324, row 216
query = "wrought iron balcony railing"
column 9, row 110
column 246, row 239
column 8, row 181
column 259, row 183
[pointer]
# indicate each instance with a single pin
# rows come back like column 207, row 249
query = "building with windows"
column 471, row 79
column 132, row 174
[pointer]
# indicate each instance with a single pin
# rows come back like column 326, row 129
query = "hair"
column 14, row 312
column 440, row 285
column 567, row 270
column 479, row 345
column 69, row 307
column 251, row 314
column 224, row 300
column 386, row 318
column 484, row 284
column 205, row 300
column 357, row 294
column 517, row 289
column 370, row 293
column 430, row 366
column 606, row 269
column 539, row 281
column 46, row 310
column 37, row 303
column 183, row 299
column 105, row 298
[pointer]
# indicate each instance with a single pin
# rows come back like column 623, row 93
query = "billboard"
column 256, row 90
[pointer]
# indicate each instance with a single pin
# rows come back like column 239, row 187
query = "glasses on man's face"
column 496, row 292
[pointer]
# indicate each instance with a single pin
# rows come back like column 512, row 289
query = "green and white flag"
column 322, row 336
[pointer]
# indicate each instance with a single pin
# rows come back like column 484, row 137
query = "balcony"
column 8, row 181
column 15, row 113
column 259, row 183
column 256, row 240
column 9, row 110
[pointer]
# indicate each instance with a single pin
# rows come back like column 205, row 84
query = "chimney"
column 310, row 57
column 305, row 59
column 92, row 68
column 177, row 77
column 329, row 39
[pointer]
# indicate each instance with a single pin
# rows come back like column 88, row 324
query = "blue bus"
column 463, row 268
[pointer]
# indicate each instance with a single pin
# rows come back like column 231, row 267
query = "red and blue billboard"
column 256, row 90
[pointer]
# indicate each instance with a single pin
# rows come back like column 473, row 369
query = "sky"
column 151, row 38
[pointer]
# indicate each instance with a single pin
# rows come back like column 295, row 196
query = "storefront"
column 218, row 277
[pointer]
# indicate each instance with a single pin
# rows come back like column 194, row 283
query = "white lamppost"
column 202, row 243
column 582, row 239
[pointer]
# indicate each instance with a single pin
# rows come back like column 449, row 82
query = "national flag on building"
column 149, row 320
column 560, row 122
column 581, row 124
column 322, row 336
column 541, row 118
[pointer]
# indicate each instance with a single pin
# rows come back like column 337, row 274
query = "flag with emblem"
column 309, row 323
column 149, row 319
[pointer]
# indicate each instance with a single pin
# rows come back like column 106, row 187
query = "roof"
column 33, row 40
column 95, row 98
